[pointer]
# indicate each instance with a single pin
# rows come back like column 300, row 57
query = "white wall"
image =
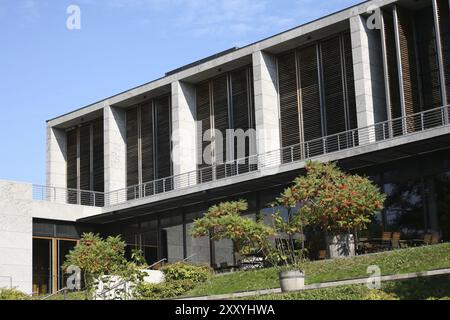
column 17, row 210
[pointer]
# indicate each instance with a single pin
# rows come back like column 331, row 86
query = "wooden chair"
column 397, row 242
column 386, row 240
column 322, row 254
column 427, row 239
column 435, row 239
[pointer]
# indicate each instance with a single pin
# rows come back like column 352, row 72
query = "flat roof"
column 222, row 58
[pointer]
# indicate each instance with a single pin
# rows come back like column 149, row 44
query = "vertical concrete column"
column 267, row 114
column 369, row 78
column 56, row 157
column 115, row 127
column 184, row 131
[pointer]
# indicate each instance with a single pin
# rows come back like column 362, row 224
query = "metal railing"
column 382, row 131
column 63, row 290
column 68, row 196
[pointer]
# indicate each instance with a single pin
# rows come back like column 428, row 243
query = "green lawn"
column 437, row 287
column 392, row 262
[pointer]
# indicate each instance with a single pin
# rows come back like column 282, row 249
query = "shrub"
column 12, row 294
column 165, row 290
column 185, row 271
column 380, row 295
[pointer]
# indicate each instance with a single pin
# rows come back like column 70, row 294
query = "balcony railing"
column 382, row 131
column 68, row 196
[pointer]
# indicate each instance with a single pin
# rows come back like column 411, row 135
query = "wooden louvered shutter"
column 429, row 67
column 221, row 123
column 147, row 148
column 72, row 167
column 132, row 149
column 85, row 163
column 310, row 99
column 289, row 110
column 392, row 66
column 333, row 93
column 352, row 121
column 204, row 115
column 163, row 140
column 408, row 65
column 444, row 25
column 98, row 156
column 241, row 106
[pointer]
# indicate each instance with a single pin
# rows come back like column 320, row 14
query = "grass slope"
column 391, row 262
column 437, row 287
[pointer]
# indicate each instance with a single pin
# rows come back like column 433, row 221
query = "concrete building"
column 367, row 87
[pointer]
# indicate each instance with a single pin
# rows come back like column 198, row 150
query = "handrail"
column 65, row 289
column 189, row 258
column 103, row 293
column 158, row 262
column 380, row 131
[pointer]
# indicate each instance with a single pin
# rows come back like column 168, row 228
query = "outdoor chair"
column 427, row 239
column 397, row 243
column 386, row 240
column 322, row 254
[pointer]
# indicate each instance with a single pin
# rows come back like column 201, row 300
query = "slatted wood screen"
column 310, row 97
column 132, row 147
column 241, row 103
column 149, row 146
column 163, row 138
column 408, row 65
column 98, row 156
column 224, row 102
column 395, row 107
column 203, row 107
column 85, row 162
column 72, row 167
column 428, row 59
column 444, row 24
column 85, row 157
column 289, row 105
column 317, row 96
column 350, row 82
column 221, row 121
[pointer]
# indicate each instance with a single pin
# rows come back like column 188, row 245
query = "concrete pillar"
column 267, row 114
column 369, row 78
column 115, row 127
column 184, row 135
column 56, row 157
column 16, row 234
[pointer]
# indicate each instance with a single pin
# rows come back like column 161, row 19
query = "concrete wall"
column 184, row 132
column 369, row 76
column 267, row 113
column 17, row 210
column 115, row 133
column 56, row 158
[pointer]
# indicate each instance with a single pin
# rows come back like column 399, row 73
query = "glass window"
column 42, row 266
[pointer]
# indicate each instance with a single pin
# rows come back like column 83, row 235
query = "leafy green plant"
column 165, row 290
column 186, row 271
column 379, row 295
column 13, row 294
column 98, row 257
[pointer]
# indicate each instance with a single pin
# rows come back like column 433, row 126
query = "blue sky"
column 47, row 70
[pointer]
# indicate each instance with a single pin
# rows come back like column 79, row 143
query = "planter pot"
column 341, row 246
column 293, row 280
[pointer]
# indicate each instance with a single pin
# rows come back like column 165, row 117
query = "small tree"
column 97, row 257
column 336, row 202
column 224, row 221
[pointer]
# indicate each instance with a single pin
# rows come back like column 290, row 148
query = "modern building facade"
column 368, row 87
